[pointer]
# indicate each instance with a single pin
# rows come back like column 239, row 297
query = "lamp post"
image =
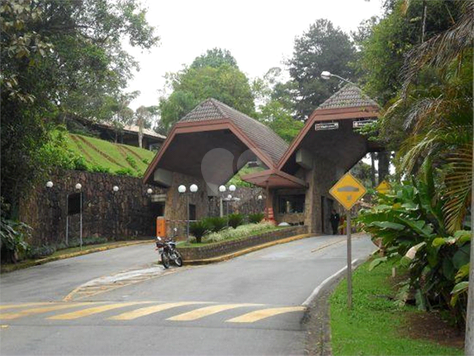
column 49, row 185
column 79, row 187
column 327, row 75
column 115, row 189
column 182, row 190
column 222, row 190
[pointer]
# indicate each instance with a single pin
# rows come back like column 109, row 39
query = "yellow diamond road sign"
column 383, row 187
column 348, row 191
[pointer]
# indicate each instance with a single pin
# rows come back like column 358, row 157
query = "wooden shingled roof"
column 349, row 96
column 260, row 135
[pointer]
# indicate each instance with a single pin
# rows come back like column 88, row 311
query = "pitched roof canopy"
column 349, row 96
column 261, row 136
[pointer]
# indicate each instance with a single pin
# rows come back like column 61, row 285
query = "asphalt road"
column 119, row 302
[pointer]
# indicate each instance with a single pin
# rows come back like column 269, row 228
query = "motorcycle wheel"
column 178, row 259
column 165, row 260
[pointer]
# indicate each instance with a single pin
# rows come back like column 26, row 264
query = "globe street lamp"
column 115, row 189
column 79, row 187
column 222, row 190
column 327, row 75
column 182, row 190
column 149, row 191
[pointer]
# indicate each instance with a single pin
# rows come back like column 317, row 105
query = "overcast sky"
column 260, row 34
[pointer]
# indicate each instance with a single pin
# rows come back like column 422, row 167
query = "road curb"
column 355, row 263
column 247, row 250
column 73, row 254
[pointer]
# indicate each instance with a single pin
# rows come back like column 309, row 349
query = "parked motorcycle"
column 168, row 252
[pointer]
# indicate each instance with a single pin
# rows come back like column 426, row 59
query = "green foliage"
column 132, row 162
column 36, row 252
column 241, row 231
column 374, row 313
column 59, row 59
column 216, row 224
column 256, row 218
column 105, row 157
column 199, row 228
column 235, row 220
column 12, row 239
column 126, row 172
column 322, row 48
column 214, row 75
column 214, row 58
column 411, row 228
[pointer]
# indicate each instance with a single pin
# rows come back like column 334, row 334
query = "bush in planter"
column 235, row 220
column 256, row 218
column 198, row 229
column 217, row 223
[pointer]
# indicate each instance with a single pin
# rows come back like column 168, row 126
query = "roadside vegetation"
column 378, row 325
column 217, row 229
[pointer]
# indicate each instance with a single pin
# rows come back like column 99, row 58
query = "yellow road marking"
column 150, row 310
column 263, row 314
column 206, row 311
column 91, row 311
column 9, row 316
column 25, row 305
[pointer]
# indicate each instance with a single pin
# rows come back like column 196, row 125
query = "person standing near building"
column 335, row 219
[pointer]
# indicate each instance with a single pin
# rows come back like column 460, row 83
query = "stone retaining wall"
column 126, row 213
column 226, row 247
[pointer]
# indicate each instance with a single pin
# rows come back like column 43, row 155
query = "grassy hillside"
column 105, row 156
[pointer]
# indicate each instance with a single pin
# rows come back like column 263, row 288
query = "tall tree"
column 59, row 58
column 322, row 48
column 214, row 58
column 207, row 79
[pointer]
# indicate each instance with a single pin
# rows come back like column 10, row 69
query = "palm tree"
column 438, row 112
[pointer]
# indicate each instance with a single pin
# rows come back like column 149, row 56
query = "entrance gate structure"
column 213, row 142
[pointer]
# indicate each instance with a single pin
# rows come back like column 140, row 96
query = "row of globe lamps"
column 181, row 189
column 78, row 187
column 193, row 188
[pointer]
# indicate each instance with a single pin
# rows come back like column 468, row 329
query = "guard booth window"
column 291, row 204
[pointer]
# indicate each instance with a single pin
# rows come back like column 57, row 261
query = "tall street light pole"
column 327, row 75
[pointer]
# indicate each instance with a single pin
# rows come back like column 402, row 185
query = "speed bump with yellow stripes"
column 127, row 311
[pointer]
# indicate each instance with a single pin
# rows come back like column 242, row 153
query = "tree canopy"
column 59, row 58
column 322, row 48
column 213, row 75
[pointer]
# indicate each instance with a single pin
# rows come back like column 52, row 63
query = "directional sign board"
column 348, row 191
column 383, row 187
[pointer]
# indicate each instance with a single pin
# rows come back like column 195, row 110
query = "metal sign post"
column 349, row 260
column 347, row 192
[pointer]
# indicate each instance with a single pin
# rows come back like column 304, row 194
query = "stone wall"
column 128, row 212
column 248, row 204
column 226, row 247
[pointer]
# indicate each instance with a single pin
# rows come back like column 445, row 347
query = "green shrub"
column 125, row 172
column 132, row 161
column 256, row 218
column 12, row 239
column 235, row 220
column 239, row 232
column 146, row 161
column 100, row 169
column 35, row 252
column 80, row 163
column 198, row 229
column 217, row 223
column 409, row 224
